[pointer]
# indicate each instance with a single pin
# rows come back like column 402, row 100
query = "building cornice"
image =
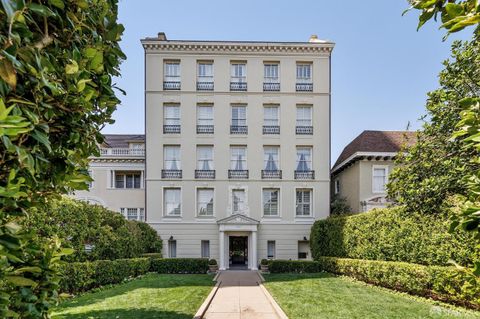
column 359, row 155
column 233, row 47
column 116, row 160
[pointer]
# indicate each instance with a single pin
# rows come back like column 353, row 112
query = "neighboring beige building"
column 237, row 147
column 118, row 175
column 361, row 172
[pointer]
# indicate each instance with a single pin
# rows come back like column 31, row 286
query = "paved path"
column 240, row 297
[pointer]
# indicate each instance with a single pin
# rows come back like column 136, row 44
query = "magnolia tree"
column 57, row 59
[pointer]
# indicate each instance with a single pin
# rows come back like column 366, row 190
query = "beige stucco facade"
column 187, row 230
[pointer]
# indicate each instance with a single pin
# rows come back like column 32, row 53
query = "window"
column 205, row 202
column 379, row 179
column 270, row 115
column 205, row 72
column 303, row 202
column 171, row 157
column 172, row 204
column 239, row 115
column 205, row 249
column 205, row 157
column 271, row 249
column 270, row 202
column 171, row 115
column 133, row 213
column 304, row 159
column 172, row 71
column 303, row 249
column 238, row 158
column 239, row 72
column 238, row 201
column 129, row 179
column 270, row 73
column 304, row 115
column 204, row 115
column 172, row 249
column 270, row 158
column 304, row 73
column 337, row 186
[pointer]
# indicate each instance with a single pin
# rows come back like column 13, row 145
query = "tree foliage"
column 339, row 206
column 435, row 167
column 57, row 59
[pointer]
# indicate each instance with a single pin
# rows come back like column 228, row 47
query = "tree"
column 434, row 168
column 57, row 59
column 339, row 206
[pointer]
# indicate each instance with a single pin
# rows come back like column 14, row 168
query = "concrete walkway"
column 241, row 297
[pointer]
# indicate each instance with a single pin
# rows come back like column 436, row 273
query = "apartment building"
column 237, row 147
column 361, row 172
column 118, row 176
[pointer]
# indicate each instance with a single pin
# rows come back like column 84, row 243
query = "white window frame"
column 199, row 119
column 336, row 186
column 166, row 69
column 385, row 167
column 197, row 189
column 274, row 249
column 211, row 160
column 139, row 213
column 179, row 161
column 164, row 207
column 233, row 106
column 265, row 158
column 237, row 77
column 303, row 78
column 278, row 201
column 266, row 120
column 172, row 243
column 175, row 120
column 234, row 160
column 297, row 159
column 311, row 202
column 205, row 77
column 202, row 255
column 267, row 68
column 304, row 121
column 125, row 173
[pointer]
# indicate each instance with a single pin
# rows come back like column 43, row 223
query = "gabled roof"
column 239, row 219
column 122, row 140
column 376, row 142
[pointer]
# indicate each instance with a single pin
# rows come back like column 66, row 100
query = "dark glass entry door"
column 238, row 250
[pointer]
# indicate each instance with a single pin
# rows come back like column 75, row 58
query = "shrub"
column 393, row 234
column 78, row 223
column 263, row 262
column 339, row 206
column 180, row 266
column 152, row 255
column 442, row 283
column 212, row 262
column 294, row 266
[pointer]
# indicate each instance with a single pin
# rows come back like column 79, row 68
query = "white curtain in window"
column 379, row 179
column 205, row 202
column 172, row 71
column 172, row 157
column 205, row 157
column 171, row 115
column 239, row 72
column 238, row 201
column 172, row 201
column 238, row 158
column 205, row 115
column 303, row 202
column 205, row 72
column 271, row 73
column 270, row 158
column 270, row 115
column 270, row 202
column 304, row 116
column 304, row 159
column 304, row 72
column 239, row 115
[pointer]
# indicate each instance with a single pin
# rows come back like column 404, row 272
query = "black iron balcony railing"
column 238, row 86
column 172, row 173
column 304, row 87
column 238, row 174
column 271, row 129
column 304, row 130
column 171, row 129
column 205, row 174
column 238, row 129
column 271, row 86
column 171, row 85
column 271, row 174
column 304, row 174
column 205, row 129
column 204, row 86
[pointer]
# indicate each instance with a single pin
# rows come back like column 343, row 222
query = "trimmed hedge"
column 447, row 284
column 393, row 234
column 83, row 276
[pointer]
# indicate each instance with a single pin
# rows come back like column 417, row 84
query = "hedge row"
column 437, row 282
column 393, row 234
column 83, row 276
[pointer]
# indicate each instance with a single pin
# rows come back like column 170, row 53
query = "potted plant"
column 264, row 265
column 212, row 265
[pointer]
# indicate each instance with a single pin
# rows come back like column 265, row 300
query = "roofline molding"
column 359, row 154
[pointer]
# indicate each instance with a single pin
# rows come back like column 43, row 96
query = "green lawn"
column 325, row 296
column 152, row 296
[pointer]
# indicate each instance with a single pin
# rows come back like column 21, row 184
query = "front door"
column 238, row 251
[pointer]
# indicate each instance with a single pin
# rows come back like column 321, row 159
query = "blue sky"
column 382, row 67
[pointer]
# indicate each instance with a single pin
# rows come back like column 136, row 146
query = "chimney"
column 313, row 38
column 162, row 36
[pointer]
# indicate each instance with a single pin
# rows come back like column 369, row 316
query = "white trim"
column 312, row 203
column 230, row 200
column 386, row 178
column 279, row 214
column 356, row 154
column 178, row 217
column 196, row 202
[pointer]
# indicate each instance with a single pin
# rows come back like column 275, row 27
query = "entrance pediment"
column 237, row 219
